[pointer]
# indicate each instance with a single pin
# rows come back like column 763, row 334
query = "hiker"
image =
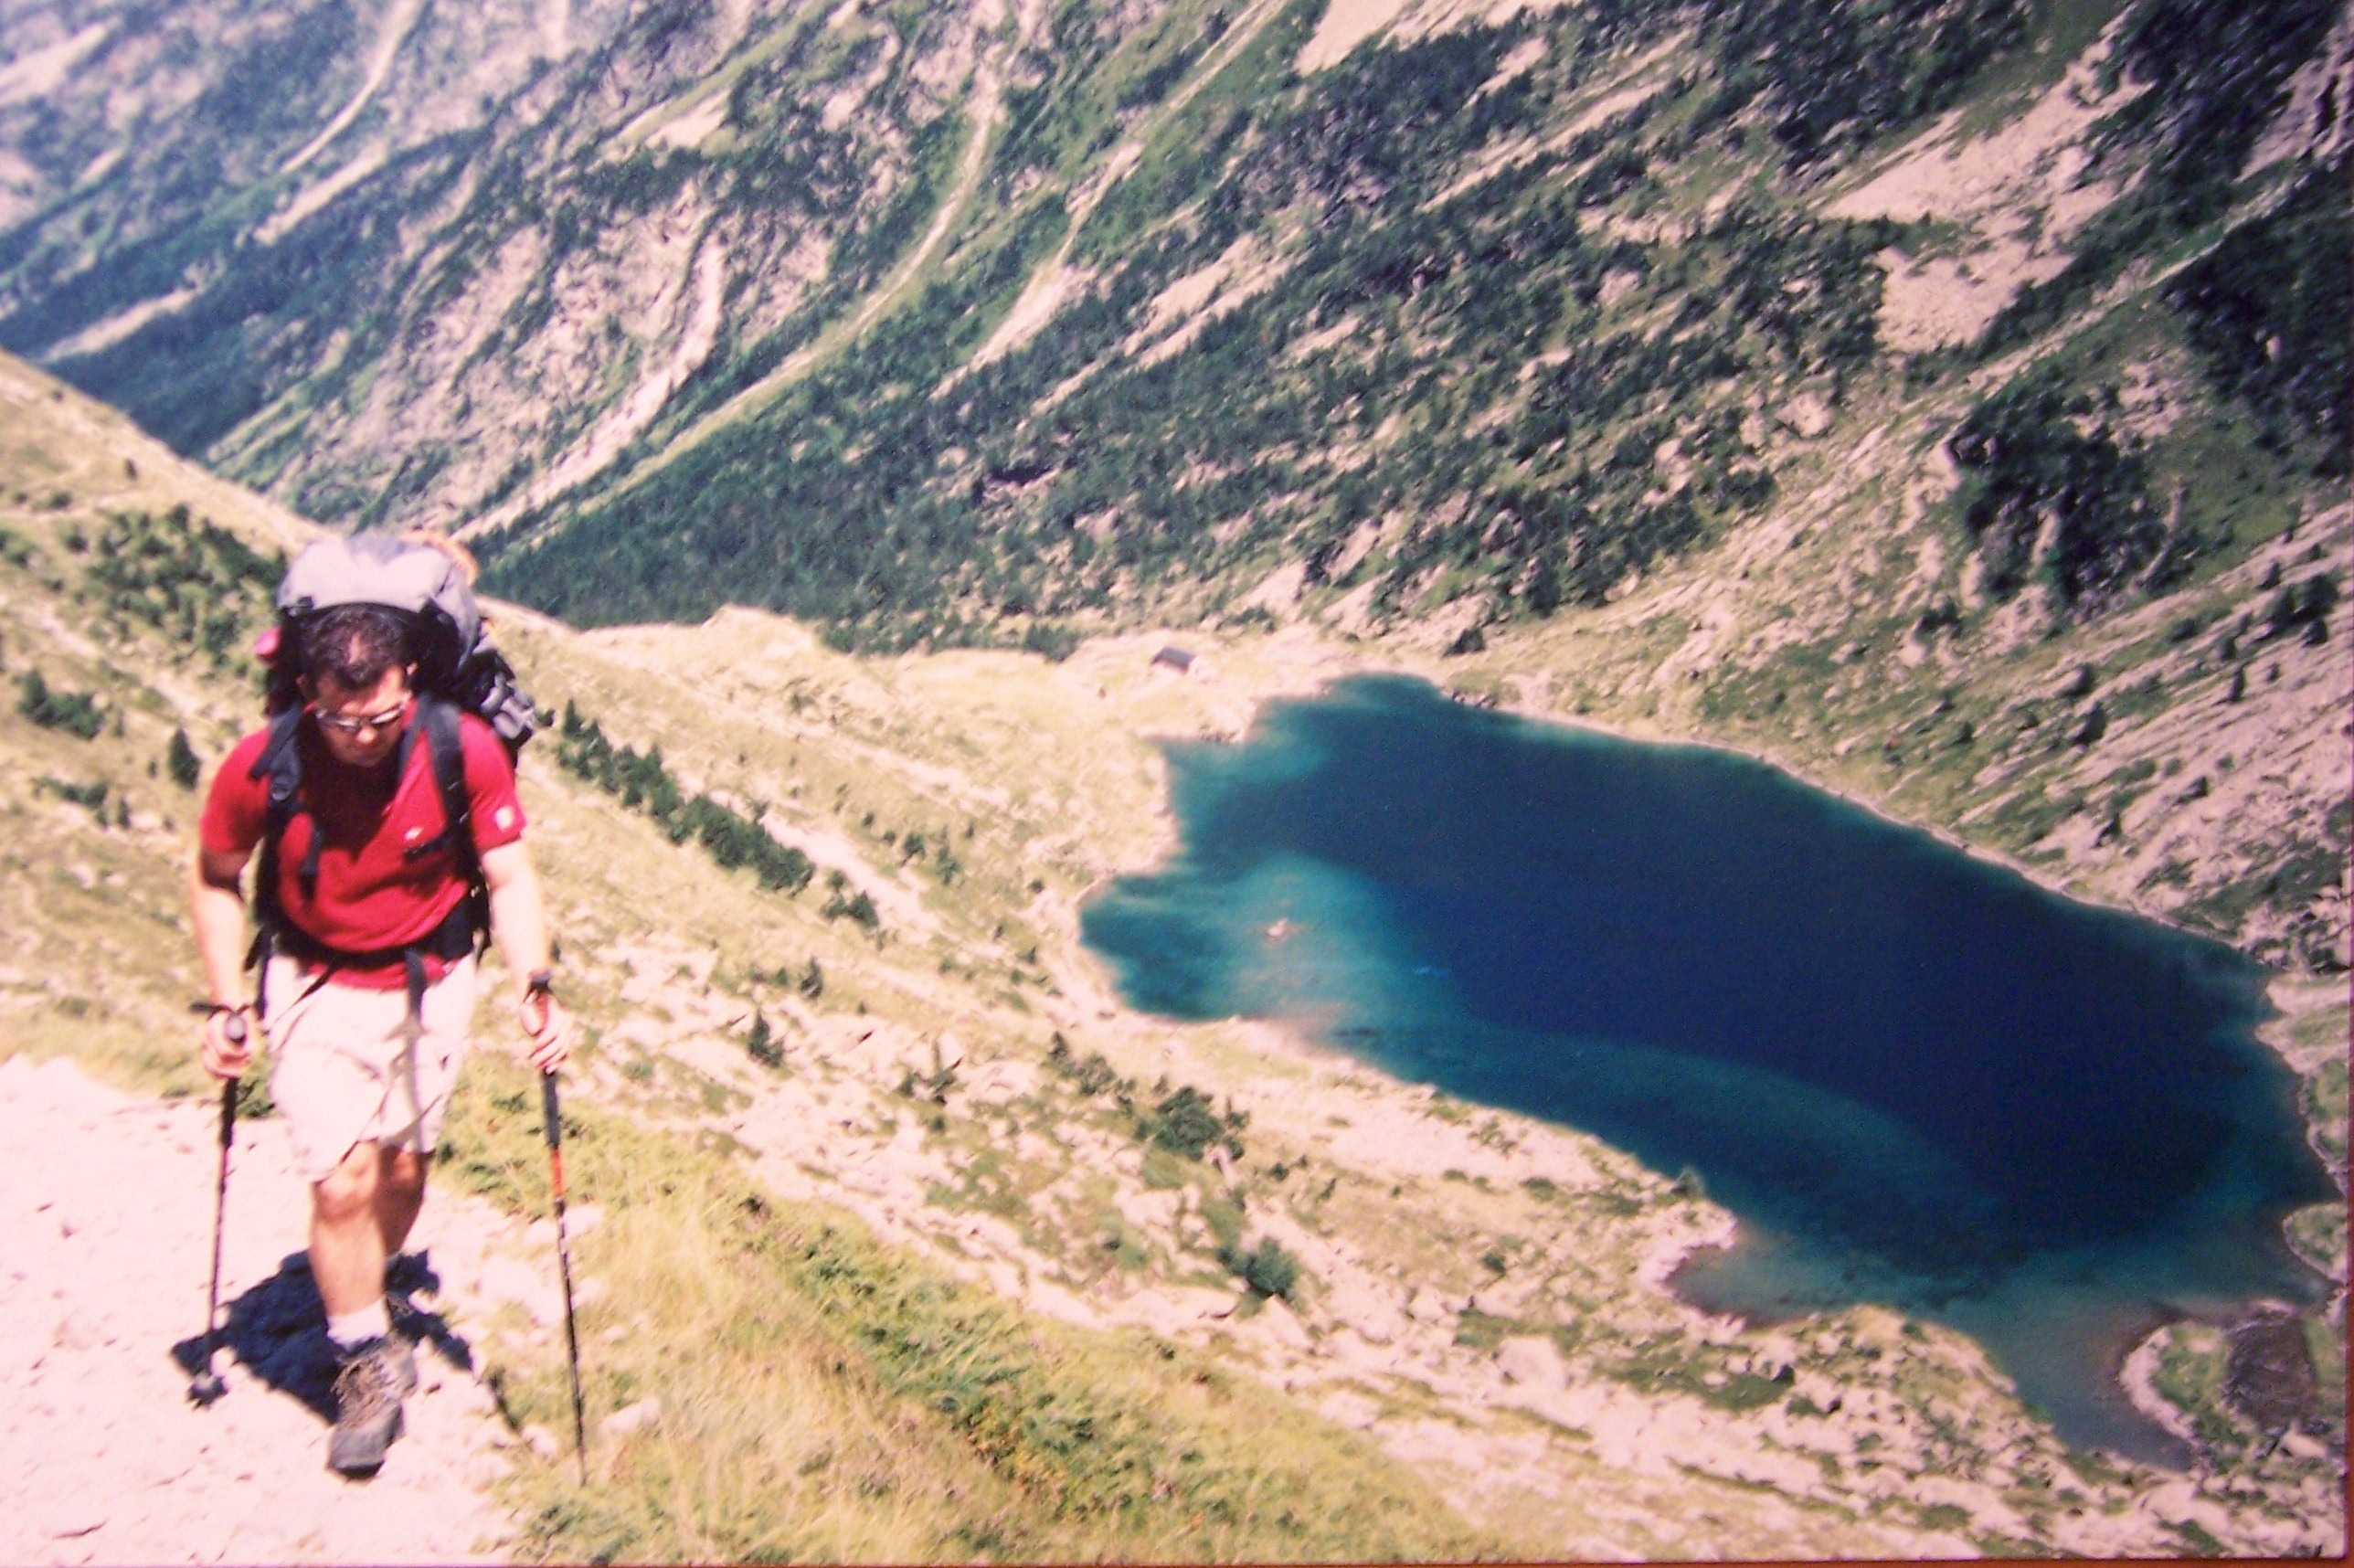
column 371, row 915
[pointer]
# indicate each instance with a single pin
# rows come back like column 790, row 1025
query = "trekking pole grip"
column 235, row 1029
column 547, row 1107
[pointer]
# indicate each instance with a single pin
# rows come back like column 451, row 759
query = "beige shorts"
column 341, row 1074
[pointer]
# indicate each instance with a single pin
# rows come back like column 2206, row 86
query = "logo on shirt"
column 503, row 817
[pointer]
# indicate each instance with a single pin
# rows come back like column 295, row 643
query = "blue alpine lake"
column 1916, row 1077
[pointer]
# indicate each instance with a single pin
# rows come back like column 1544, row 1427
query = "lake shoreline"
column 1298, row 684
column 1332, row 664
column 1329, row 665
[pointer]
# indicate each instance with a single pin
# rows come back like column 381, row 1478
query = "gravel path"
column 106, row 1205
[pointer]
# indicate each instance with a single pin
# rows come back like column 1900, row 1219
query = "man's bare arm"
column 519, row 925
column 216, row 909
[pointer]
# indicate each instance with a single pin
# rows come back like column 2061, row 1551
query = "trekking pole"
column 207, row 1386
column 564, row 1268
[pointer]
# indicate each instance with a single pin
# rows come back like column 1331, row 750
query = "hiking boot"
column 367, row 1405
column 402, row 1354
column 400, row 1345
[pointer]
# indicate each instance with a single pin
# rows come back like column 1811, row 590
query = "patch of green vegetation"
column 1672, row 1366
column 2062, row 30
column 1223, row 1214
column 1481, row 1330
column 2299, row 874
column 2265, row 313
column 2190, row 1376
column 2325, row 1106
column 199, row 584
column 1081, row 1450
column 762, row 1043
column 1193, row 148
column 1164, row 1172
column 1838, row 77
column 858, row 907
column 2318, row 1235
column 2327, row 1347
column 76, row 713
column 181, row 762
column 1267, row 1269
column 2303, row 608
column 2028, row 457
column 1091, row 1075
column 91, row 795
column 1186, row 1122
column 1612, row 1202
column 2030, row 813
column 868, row 251
column 730, row 837
column 1743, row 1390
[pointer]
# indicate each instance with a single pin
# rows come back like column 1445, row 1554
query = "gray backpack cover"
column 455, row 656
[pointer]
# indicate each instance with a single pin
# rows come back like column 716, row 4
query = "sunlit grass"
column 822, row 1397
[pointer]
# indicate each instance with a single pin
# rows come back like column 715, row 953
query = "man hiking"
column 370, row 908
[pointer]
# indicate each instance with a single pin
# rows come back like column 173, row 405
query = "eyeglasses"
column 345, row 725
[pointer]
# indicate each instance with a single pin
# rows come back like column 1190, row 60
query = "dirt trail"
column 397, row 28
column 106, row 1204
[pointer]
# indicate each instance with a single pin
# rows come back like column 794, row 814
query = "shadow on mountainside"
column 278, row 1330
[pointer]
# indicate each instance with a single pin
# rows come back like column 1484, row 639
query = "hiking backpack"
column 431, row 583
column 428, row 581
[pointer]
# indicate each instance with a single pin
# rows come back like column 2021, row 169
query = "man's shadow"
column 278, row 1331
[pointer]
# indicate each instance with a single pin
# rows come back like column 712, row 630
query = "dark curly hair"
column 355, row 644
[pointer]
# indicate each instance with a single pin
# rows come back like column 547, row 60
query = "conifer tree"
column 182, row 760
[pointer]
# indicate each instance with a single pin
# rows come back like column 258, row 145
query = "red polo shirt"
column 370, row 897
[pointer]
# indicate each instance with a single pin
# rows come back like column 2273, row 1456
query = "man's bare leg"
column 347, row 1238
column 399, row 1193
column 360, row 1215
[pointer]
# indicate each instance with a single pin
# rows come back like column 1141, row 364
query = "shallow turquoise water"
column 1918, row 1078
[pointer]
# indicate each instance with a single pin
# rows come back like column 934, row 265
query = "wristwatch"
column 539, row 983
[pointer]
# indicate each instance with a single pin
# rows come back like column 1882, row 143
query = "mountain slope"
column 935, row 1055
column 997, row 328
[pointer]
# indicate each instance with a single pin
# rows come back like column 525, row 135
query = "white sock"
column 353, row 1329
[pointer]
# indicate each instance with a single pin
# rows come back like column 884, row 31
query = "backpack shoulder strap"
column 439, row 722
column 280, row 762
column 280, row 757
